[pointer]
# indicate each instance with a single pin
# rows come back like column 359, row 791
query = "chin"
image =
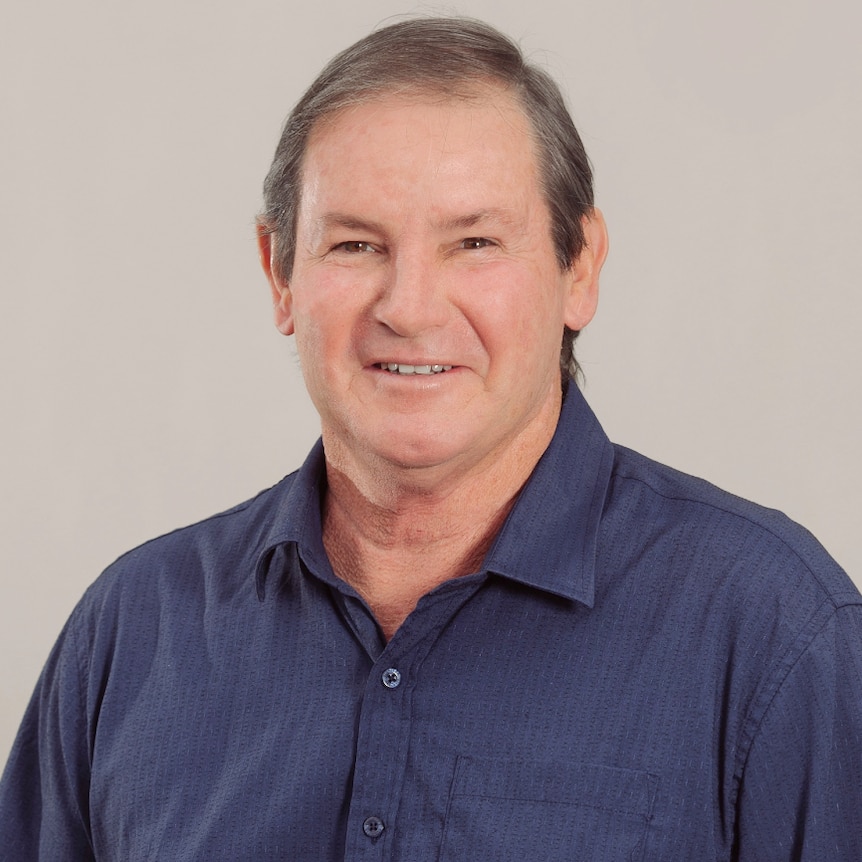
column 408, row 441
column 415, row 455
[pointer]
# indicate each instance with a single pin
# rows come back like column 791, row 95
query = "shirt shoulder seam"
column 233, row 510
column 837, row 600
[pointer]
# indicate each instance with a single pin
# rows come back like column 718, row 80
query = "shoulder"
column 218, row 553
column 737, row 585
column 165, row 599
column 723, row 535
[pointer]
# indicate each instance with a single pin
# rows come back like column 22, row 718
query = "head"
column 439, row 57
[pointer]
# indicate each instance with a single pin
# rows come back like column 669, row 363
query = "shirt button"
column 391, row 678
column 373, row 827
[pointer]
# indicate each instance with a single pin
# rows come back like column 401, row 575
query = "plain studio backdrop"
column 145, row 387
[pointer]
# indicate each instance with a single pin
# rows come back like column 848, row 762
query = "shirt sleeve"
column 801, row 790
column 44, row 813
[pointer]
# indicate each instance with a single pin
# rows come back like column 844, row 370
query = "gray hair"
column 441, row 56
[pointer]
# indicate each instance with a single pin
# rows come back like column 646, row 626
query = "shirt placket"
column 383, row 735
column 381, row 752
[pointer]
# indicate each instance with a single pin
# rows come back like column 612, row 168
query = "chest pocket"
column 513, row 811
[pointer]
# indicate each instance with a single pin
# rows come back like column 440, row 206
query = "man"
column 469, row 627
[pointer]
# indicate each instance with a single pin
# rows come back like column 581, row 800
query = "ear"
column 583, row 295
column 281, row 298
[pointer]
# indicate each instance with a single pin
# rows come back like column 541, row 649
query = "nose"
column 413, row 297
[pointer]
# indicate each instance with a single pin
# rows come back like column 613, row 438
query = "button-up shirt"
column 644, row 668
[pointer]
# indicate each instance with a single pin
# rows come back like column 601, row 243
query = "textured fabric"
column 646, row 668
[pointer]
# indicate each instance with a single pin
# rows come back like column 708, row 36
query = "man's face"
column 426, row 299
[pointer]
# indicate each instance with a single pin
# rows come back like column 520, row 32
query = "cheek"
column 518, row 313
column 324, row 311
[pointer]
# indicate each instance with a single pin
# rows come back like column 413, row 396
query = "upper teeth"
column 414, row 369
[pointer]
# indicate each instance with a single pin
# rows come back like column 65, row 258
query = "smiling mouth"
column 398, row 368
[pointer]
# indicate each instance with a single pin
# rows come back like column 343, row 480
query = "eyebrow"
column 351, row 222
column 472, row 219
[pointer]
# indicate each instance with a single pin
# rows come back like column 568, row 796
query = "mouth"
column 400, row 368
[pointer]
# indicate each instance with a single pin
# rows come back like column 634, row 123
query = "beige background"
column 144, row 386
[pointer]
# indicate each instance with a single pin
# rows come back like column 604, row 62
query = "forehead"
column 437, row 147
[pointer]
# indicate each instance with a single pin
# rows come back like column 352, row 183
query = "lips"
column 401, row 368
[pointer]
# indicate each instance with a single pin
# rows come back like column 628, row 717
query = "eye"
column 476, row 242
column 356, row 246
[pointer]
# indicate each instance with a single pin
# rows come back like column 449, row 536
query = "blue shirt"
column 645, row 668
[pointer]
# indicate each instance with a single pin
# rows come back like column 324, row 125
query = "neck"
column 395, row 534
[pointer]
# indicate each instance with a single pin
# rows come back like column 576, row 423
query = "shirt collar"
column 547, row 542
column 296, row 518
column 549, row 539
